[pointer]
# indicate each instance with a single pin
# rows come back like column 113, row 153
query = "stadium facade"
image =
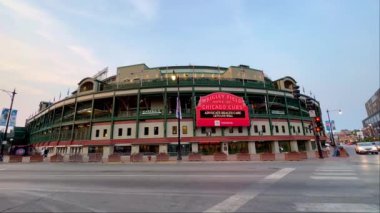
column 229, row 110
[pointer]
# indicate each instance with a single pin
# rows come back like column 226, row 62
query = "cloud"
column 38, row 57
column 84, row 53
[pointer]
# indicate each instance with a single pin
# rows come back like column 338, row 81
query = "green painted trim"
column 138, row 113
column 268, row 113
column 287, row 113
column 165, row 112
column 60, row 123
column 74, row 116
column 91, row 116
column 113, row 115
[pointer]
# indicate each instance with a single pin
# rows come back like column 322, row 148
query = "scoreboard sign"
column 222, row 109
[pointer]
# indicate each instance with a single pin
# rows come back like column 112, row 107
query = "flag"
column 68, row 92
column 59, row 96
column 303, row 90
column 178, row 113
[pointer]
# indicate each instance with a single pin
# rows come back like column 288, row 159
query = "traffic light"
column 318, row 124
column 296, row 92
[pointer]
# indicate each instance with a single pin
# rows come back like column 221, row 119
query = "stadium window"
column 156, row 130
column 283, row 129
column 203, row 130
column 263, row 128
column 97, row 133
column 213, row 130
column 255, row 128
column 120, row 132
column 184, row 130
column 174, row 130
column 104, row 132
column 146, row 131
column 276, row 127
column 298, row 129
column 231, row 130
column 129, row 132
column 240, row 129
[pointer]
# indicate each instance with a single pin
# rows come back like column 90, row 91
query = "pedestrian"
column 46, row 151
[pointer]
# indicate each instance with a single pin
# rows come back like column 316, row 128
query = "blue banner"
column 4, row 117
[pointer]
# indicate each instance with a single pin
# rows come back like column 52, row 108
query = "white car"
column 366, row 148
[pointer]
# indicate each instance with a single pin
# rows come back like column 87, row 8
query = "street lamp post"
column 8, row 118
column 178, row 115
column 331, row 127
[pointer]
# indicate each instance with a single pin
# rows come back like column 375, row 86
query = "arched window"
column 88, row 86
column 288, row 84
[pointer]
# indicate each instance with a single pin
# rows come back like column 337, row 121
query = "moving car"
column 366, row 148
column 377, row 144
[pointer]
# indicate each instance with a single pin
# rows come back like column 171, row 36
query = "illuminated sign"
column 222, row 109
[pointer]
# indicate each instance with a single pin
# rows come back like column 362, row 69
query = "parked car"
column 377, row 144
column 366, row 148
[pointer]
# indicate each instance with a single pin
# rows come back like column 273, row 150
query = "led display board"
column 221, row 109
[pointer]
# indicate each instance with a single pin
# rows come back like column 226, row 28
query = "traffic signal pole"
column 319, row 146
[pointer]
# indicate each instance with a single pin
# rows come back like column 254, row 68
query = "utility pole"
column 7, row 124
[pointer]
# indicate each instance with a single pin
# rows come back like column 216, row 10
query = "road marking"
column 144, row 175
column 237, row 200
column 279, row 174
column 332, row 178
column 334, row 174
column 336, row 207
column 334, row 170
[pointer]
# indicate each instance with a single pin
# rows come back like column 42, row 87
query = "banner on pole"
column 4, row 117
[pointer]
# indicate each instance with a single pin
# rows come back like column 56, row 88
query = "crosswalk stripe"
column 334, row 174
column 234, row 202
column 336, row 207
column 332, row 178
column 334, row 170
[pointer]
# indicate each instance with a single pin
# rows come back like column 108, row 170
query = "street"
column 328, row 185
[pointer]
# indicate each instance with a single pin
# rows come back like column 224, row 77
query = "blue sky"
column 330, row 47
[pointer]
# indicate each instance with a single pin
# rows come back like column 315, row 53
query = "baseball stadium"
column 177, row 113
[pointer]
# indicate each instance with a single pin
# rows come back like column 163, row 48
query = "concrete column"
column 252, row 147
column 194, row 147
column 107, row 150
column 275, row 147
column 163, row 148
column 85, row 150
column 293, row 146
column 308, row 146
column 135, row 149
column 225, row 148
column 85, row 153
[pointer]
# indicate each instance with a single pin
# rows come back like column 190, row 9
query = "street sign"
column 312, row 113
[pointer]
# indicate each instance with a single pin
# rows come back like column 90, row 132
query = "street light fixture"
column 331, row 128
column 12, row 95
column 178, row 115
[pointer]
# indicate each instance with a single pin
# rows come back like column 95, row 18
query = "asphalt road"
column 329, row 185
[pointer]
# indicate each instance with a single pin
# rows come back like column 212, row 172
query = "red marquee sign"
column 222, row 109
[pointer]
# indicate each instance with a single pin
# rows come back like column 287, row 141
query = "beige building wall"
column 124, row 128
column 243, row 73
column 280, row 125
column 260, row 125
column 129, row 73
column 151, row 126
column 218, row 131
column 188, row 124
column 297, row 126
column 235, row 131
column 104, row 132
